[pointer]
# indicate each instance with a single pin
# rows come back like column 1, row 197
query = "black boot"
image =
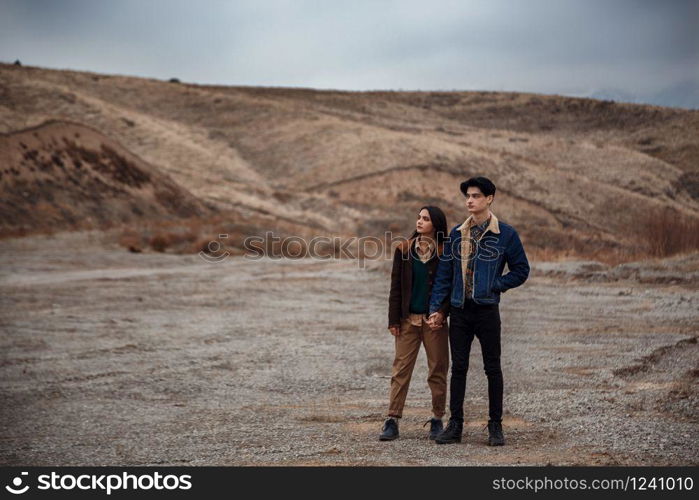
column 436, row 427
column 390, row 430
column 452, row 434
column 495, row 437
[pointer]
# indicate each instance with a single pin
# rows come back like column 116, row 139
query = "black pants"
column 483, row 321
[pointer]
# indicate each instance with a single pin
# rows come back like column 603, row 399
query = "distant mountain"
column 616, row 95
column 682, row 95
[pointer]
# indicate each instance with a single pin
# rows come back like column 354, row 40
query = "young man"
column 469, row 274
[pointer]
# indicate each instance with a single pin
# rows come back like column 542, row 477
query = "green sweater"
column 418, row 294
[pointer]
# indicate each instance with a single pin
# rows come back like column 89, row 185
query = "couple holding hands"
column 458, row 274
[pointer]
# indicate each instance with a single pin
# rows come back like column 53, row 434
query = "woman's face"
column 424, row 223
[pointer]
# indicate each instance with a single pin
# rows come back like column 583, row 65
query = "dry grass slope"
column 575, row 176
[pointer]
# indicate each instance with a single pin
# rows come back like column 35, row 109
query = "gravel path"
column 113, row 358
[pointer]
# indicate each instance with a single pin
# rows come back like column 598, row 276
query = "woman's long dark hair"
column 439, row 222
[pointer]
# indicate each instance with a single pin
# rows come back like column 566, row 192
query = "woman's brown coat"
column 402, row 282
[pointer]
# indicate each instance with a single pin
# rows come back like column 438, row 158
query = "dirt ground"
column 114, row 358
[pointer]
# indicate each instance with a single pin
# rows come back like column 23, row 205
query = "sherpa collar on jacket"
column 493, row 227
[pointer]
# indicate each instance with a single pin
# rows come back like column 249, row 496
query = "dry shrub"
column 294, row 248
column 669, row 232
column 172, row 239
column 178, row 235
column 324, row 249
column 609, row 256
column 204, row 245
column 546, row 254
column 13, row 232
column 131, row 240
column 226, row 233
column 160, row 242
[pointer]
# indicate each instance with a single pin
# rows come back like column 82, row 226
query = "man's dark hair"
column 483, row 183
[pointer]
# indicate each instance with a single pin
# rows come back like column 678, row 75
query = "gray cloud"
column 644, row 50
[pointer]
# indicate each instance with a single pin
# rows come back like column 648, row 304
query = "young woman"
column 414, row 267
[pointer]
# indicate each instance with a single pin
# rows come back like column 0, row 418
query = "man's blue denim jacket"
column 499, row 245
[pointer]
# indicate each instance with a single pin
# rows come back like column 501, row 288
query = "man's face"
column 476, row 202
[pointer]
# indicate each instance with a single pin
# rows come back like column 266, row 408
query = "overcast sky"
column 641, row 50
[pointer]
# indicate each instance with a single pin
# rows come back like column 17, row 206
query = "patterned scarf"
column 469, row 230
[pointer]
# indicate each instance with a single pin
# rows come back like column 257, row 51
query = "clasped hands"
column 435, row 321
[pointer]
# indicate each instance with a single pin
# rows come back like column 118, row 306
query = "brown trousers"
column 407, row 348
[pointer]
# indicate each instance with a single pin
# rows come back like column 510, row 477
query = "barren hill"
column 60, row 173
column 571, row 173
